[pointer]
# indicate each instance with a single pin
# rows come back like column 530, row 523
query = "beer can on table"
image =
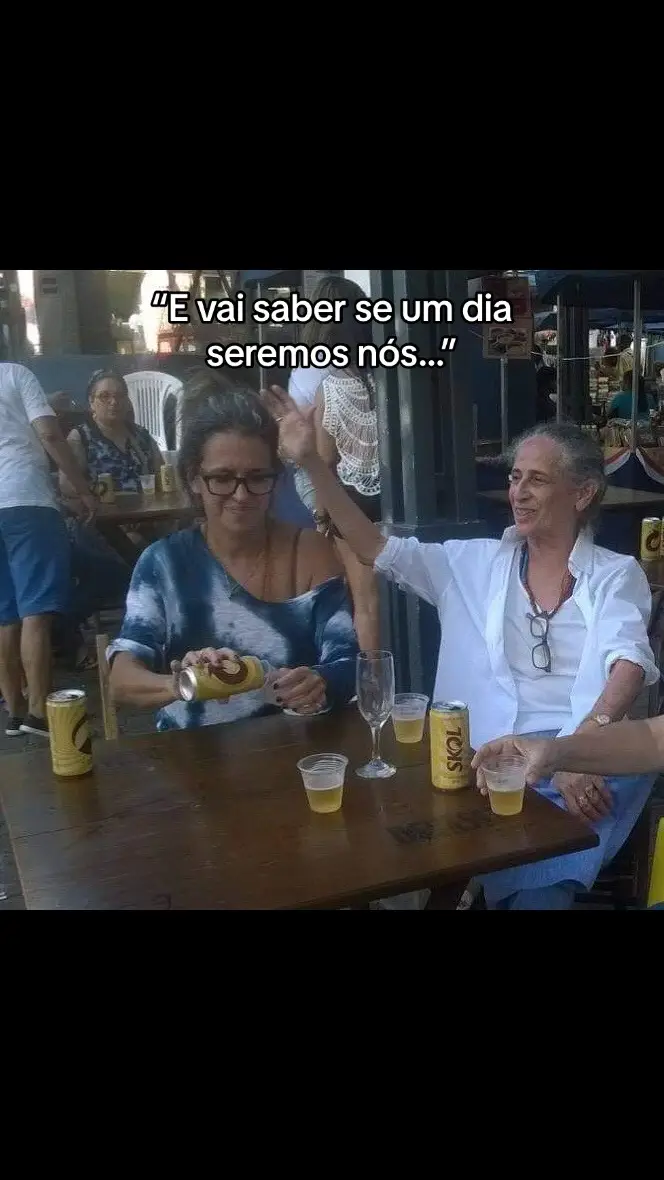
column 651, row 537
column 201, row 683
column 69, row 733
column 449, row 731
column 104, row 489
column 167, row 479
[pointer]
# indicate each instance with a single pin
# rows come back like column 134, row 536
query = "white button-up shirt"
column 467, row 582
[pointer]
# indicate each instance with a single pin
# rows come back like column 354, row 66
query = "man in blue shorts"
column 35, row 579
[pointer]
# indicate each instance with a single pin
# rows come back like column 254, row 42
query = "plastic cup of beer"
column 323, row 777
column 505, row 778
column 148, row 485
column 408, row 717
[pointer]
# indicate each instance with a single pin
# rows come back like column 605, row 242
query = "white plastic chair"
column 179, row 404
column 148, row 393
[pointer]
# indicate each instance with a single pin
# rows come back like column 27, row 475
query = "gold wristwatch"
column 600, row 719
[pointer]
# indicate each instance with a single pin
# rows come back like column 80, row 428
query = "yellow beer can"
column 651, row 538
column 167, row 479
column 69, row 733
column 104, row 489
column 449, row 731
column 201, row 683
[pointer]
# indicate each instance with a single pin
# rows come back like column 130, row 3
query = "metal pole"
column 559, row 362
column 636, row 367
column 261, row 371
column 504, row 433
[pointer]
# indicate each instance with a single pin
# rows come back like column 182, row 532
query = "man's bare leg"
column 10, row 668
column 36, row 657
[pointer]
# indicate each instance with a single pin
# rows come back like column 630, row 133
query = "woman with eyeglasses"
column 109, row 442
column 239, row 581
column 543, row 632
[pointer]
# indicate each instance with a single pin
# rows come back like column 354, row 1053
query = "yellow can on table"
column 449, row 732
column 167, row 479
column 651, row 538
column 104, row 488
column 69, row 733
column 201, row 683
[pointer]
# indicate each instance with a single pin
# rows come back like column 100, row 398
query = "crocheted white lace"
column 350, row 420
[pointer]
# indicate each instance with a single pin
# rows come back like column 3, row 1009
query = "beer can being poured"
column 449, row 730
column 69, row 733
column 202, row 683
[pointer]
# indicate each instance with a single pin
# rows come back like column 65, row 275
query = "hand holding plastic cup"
column 323, row 776
column 408, row 716
column 505, row 777
column 148, row 485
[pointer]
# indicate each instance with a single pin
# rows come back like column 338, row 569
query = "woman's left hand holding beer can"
column 211, row 657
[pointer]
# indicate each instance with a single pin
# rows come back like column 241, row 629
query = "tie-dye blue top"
column 182, row 599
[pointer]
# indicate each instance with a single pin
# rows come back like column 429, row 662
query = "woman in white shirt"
column 342, row 402
column 543, row 632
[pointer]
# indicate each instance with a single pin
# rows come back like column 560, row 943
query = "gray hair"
column 583, row 458
column 214, row 407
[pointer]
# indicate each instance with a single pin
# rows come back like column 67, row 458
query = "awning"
column 602, row 288
column 603, row 317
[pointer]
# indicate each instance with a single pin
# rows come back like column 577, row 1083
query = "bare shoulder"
column 317, row 559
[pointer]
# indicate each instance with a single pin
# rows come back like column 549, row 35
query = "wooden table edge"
column 428, row 881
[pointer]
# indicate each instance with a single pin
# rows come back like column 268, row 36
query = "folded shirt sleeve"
column 422, row 568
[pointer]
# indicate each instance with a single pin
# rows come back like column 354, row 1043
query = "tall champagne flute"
column 375, row 700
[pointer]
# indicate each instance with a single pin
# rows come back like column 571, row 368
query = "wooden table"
column 134, row 508
column 614, row 498
column 218, row 819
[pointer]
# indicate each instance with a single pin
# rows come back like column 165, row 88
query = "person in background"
column 543, row 627
column 110, row 443
column 607, row 366
column 239, row 581
column 620, row 405
column 99, row 576
column 625, row 362
column 303, row 384
column 35, row 557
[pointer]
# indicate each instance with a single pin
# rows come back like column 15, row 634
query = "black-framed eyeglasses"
column 258, row 484
column 541, row 653
column 107, row 398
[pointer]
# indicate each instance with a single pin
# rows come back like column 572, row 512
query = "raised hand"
column 297, row 436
